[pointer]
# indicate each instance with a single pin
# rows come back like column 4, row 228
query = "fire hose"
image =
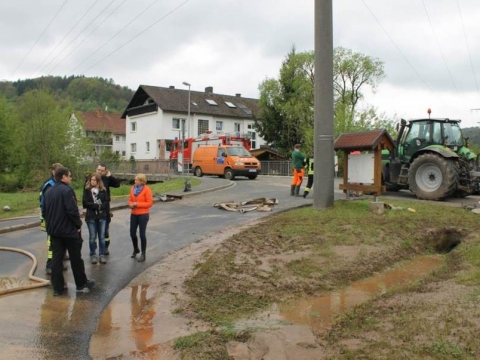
column 39, row 281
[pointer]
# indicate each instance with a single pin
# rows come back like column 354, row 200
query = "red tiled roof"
column 367, row 140
column 99, row 121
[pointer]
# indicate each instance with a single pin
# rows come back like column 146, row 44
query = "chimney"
column 209, row 90
column 238, row 95
column 171, row 87
column 98, row 113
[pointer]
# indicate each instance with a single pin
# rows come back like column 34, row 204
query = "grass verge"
column 305, row 252
column 26, row 203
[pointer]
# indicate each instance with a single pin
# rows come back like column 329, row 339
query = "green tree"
column 286, row 105
column 10, row 148
column 46, row 135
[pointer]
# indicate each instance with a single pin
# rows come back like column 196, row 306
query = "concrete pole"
column 323, row 107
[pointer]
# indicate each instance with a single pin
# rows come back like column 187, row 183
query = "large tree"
column 286, row 104
column 46, row 135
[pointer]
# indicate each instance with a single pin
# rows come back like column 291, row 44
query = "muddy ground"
column 310, row 294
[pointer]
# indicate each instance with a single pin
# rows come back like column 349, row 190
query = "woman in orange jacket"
column 140, row 201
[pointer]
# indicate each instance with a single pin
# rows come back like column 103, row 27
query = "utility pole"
column 323, row 107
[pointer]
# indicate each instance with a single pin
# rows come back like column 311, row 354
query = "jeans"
column 140, row 222
column 96, row 227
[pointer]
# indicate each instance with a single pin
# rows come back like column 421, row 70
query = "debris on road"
column 166, row 197
column 259, row 204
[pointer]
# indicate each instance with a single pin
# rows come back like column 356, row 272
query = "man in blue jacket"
column 64, row 227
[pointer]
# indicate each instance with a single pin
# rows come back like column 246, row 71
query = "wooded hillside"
column 84, row 93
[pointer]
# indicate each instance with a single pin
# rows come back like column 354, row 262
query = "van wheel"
column 198, row 171
column 252, row 177
column 228, row 174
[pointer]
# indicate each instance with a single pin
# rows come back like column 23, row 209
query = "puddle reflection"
column 319, row 312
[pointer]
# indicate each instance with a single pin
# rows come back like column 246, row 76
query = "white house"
column 155, row 115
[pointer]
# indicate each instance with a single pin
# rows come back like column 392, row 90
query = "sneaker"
column 102, row 259
column 88, row 285
column 94, row 259
column 141, row 258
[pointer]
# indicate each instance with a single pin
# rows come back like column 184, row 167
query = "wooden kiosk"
column 363, row 172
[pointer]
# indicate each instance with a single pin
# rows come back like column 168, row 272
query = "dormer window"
column 148, row 101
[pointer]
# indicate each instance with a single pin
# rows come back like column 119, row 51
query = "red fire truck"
column 208, row 138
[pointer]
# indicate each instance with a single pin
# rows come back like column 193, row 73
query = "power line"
column 398, row 49
column 439, row 48
column 43, row 32
column 468, row 49
column 71, row 29
column 140, row 33
column 123, row 28
column 81, row 31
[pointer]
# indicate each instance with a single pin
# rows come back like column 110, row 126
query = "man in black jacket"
column 64, row 227
column 108, row 181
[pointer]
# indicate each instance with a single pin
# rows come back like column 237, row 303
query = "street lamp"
column 188, row 122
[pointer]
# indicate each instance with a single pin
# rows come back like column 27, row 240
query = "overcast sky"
column 430, row 48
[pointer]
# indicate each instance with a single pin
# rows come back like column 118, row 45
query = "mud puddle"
column 136, row 324
column 319, row 313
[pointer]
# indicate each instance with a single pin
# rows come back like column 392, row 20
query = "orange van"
column 225, row 160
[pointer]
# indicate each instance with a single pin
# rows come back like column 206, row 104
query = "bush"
column 10, row 183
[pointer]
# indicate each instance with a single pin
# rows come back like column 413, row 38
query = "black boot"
column 305, row 193
column 135, row 252
column 292, row 190
column 297, row 190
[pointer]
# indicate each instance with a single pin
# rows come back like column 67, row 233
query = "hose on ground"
column 39, row 281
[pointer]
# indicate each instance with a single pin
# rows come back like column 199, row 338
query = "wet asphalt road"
column 37, row 325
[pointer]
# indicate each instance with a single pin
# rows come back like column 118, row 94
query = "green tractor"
column 431, row 159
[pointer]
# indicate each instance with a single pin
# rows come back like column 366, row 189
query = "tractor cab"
column 431, row 133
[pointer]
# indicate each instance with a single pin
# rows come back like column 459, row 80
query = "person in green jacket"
column 298, row 159
column 309, row 169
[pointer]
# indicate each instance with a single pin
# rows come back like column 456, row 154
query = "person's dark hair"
column 102, row 165
column 297, row 146
column 59, row 172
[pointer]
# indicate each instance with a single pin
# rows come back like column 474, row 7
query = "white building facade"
column 155, row 116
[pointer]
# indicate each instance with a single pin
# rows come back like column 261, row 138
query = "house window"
column 168, row 145
column 117, row 152
column 219, row 125
column 202, row 126
column 117, row 138
column 253, row 138
column 133, row 126
column 123, row 153
column 147, row 145
column 249, row 126
column 236, row 127
column 133, row 147
column 176, row 124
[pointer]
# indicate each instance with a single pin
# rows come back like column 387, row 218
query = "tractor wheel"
column 198, row 171
column 432, row 177
column 228, row 174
